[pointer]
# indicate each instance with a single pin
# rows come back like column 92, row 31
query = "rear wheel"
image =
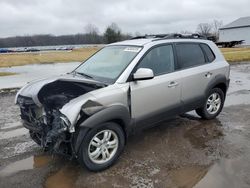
column 213, row 105
column 101, row 146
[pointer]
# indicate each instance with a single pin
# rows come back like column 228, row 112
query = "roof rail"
column 183, row 36
column 150, row 36
column 171, row 36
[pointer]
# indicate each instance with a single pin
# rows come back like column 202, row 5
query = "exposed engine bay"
column 48, row 126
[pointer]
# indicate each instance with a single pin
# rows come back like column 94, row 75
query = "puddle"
column 25, row 164
column 222, row 174
column 13, row 133
column 188, row 177
column 239, row 78
column 238, row 97
column 28, row 73
column 64, row 178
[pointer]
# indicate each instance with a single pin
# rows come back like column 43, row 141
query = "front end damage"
column 48, row 126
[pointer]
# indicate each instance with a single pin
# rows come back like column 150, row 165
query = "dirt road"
column 183, row 152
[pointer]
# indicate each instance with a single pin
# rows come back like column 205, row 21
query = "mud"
column 184, row 152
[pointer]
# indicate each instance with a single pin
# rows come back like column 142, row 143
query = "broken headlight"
column 92, row 107
column 65, row 120
column 21, row 100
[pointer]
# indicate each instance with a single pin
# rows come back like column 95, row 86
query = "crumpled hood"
column 33, row 88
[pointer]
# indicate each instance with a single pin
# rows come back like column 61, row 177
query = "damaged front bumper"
column 48, row 127
column 51, row 108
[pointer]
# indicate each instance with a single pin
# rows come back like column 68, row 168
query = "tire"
column 213, row 105
column 95, row 144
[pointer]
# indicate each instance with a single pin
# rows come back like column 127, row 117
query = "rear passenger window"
column 189, row 55
column 209, row 52
column 160, row 59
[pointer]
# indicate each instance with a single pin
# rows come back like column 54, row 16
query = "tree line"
column 92, row 35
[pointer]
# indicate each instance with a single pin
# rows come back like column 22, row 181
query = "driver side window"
column 160, row 59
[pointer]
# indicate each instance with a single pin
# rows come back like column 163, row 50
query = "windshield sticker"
column 132, row 49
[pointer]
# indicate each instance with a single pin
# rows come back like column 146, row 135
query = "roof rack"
column 150, row 36
column 172, row 36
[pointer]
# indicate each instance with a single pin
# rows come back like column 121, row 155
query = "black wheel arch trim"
column 218, row 79
column 110, row 113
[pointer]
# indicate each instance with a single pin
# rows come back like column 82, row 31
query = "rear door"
column 196, row 70
column 152, row 100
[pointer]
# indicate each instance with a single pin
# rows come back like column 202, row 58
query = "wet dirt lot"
column 183, row 152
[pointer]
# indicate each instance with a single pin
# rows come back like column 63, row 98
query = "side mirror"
column 143, row 74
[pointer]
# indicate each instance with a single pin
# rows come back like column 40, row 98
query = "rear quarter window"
column 209, row 53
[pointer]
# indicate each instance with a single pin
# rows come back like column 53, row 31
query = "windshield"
column 108, row 63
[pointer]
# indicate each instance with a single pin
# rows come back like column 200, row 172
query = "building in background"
column 236, row 31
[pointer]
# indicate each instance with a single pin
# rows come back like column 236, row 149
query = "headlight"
column 66, row 124
column 21, row 100
column 91, row 107
column 65, row 121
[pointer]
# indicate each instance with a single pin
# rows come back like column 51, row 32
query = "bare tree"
column 216, row 25
column 204, row 29
column 92, row 33
column 91, row 29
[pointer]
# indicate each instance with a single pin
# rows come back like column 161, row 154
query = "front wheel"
column 101, row 146
column 213, row 105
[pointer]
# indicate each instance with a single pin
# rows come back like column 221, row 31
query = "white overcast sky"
column 27, row 17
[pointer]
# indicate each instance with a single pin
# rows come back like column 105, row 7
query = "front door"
column 155, row 99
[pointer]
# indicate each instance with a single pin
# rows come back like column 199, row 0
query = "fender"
column 114, row 112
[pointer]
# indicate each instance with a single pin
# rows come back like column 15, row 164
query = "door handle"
column 208, row 74
column 173, row 84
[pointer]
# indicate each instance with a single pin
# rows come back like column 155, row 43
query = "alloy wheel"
column 213, row 103
column 103, row 146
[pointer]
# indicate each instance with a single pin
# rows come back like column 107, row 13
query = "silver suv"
column 89, row 113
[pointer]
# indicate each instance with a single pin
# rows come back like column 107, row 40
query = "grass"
column 7, row 73
column 232, row 55
column 17, row 59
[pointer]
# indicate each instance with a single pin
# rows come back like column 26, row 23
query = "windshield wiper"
column 83, row 74
column 90, row 77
